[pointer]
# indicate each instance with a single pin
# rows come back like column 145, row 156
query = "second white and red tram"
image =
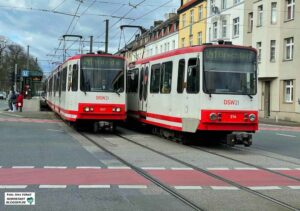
column 208, row 90
column 89, row 88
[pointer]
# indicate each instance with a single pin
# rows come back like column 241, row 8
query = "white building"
column 225, row 21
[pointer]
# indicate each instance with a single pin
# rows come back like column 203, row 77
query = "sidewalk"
column 279, row 122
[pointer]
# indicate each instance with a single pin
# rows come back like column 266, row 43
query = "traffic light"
column 12, row 77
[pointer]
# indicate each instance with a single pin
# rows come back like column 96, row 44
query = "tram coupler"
column 239, row 139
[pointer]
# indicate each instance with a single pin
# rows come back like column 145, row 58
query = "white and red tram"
column 89, row 88
column 208, row 90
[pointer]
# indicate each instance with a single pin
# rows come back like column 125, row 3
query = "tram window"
column 64, row 80
column 180, row 79
column 155, row 78
column 141, row 84
column 193, row 76
column 132, row 80
column 145, row 90
column 166, row 78
column 75, row 78
column 50, row 86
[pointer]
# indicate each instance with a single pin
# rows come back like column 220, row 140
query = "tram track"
column 235, row 184
column 146, row 175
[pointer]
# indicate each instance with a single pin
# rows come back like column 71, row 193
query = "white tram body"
column 211, row 88
column 89, row 87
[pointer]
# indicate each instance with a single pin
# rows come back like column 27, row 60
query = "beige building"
column 273, row 28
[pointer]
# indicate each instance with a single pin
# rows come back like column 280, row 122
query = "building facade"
column 192, row 23
column 225, row 21
column 276, row 34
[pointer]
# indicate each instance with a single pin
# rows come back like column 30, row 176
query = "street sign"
column 25, row 73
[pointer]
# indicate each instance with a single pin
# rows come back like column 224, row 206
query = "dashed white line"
column 55, row 167
column 265, row 188
column 153, row 168
column 188, row 187
column 52, row 130
column 279, row 169
column 224, row 188
column 23, row 167
column 294, row 187
column 183, row 169
column 132, row 186
column 118, row 167
column 13, row 186
column 93, row 186
column 245, row 168
column 52, row 186
column 291, row 136
column 219, row 168
column 88, row 167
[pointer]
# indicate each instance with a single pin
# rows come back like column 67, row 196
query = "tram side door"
column 143, row 89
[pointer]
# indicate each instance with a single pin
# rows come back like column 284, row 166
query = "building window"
column 223, row 4
column 191, row 40
column 258, row 48
column 236, row 26
column 250, row 22
column 288, row 91
column 192, row 16
column 272, row 50
column 273, row 13
column 182, row 42
column 200, row 13
column 215, row 30
column 260, row 15
column 173, row 45
column 183, row 20
column 209, row 34
column 224, row 28
column 289, row 48
column 236, row 1
column 290, row 9
column 199, row 38
column 175, row 27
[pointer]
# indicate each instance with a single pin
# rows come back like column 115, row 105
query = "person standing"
column 20, row 101
column 10, row 101
column 14, row 101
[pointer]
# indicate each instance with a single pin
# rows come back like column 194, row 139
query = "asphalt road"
column 282, row 140
column 39, row 153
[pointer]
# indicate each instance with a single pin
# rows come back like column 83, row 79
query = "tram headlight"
column 86, row 109
column 213, row 117
column 116, row 109
column 252, row 117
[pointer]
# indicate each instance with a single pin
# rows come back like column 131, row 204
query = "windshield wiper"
column 250, row 96
column 117, row 91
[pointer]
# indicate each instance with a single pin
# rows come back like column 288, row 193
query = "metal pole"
column 16, row 71
column 91, row 45
column 106, row 35
column 27, row 57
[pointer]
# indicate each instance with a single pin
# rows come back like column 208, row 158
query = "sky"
column 42, row 23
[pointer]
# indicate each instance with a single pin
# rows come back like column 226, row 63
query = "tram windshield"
column 102, row 74
column 229, row 71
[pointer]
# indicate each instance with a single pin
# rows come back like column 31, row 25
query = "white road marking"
column 221, row 168
column 181, row 169
column 55, row 167
column 93, row 186
column 245, row 168
column 88, row 167
column 132, row 186
column 188, row 187
column 118, row 167
column 265, row 188
column 13, row 186
column 224, row 188
column 291, row 136
column 52, row 186
column 23, row 167
column 153, row 168
column 294, row 187
column 279, row 169
column 61, row 131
